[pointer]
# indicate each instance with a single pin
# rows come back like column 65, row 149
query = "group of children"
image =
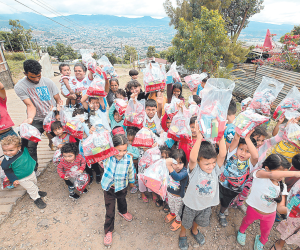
column 201, row 175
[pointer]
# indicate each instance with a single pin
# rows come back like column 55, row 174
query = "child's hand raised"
column 159, row 98
column 134, row 96
column 249, row 134
column 198, row 132
column 92, row 130
column 293, row 120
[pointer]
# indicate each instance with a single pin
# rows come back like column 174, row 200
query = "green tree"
column 130, row 52
column 237, row 15
column 203, row 43
column 112, row 58
column 294, row 32
column 62, row 52
column 18, row 35
column 168, row 54
column 152, row 52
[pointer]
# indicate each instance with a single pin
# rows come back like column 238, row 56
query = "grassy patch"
column 16, row 69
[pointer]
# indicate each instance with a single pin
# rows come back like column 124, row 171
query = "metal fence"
column 249, row 76
column 5, row 75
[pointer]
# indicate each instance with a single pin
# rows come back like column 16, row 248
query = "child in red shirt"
column 71, row 161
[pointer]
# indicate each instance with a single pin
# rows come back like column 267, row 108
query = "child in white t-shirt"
column 68, row 89
column 267, row 195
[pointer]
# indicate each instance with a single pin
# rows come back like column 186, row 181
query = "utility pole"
column 9, row 42
column 24, row 50
column 122, row 53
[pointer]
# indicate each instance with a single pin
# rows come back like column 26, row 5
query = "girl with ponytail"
column 267, row 195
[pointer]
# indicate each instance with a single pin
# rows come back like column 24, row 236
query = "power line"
column 10, row 7
column 43, row 15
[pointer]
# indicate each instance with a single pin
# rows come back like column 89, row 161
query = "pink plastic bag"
column 144, row 138
column 97, row 87
column 171, row 108
column 30, row 133
column 4, row 181
column 292, row 133
column 156, row 178
column 79, row 180
column 75, row 128
column 290, row 103
column 180, row 128
column 265, row 95
column 150, row 156
column 98, row 146
column 134, row 114
column 154, row 77
column 194, row 80
column 49, row 119
column 121, row 106
column 248, row 120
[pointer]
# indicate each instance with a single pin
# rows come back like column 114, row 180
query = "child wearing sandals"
column 266, row 197
column 203, row 191
column 178, row 179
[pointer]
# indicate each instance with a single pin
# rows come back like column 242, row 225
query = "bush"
column 15, row 56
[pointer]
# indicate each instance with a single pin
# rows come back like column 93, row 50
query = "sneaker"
column 42, row 194
column 183, row 244
column 40, row 203
column 241, row 238
column 98, row 179
column 222, row 220
column 127, row 216
column 243, row 208
column 74, row 196
column 257, row 244
column 85, row 191
column 133, row 190
column 37, row 173
column 10, row 187
column 199, row 237
column 108, row 239
column 226, row 212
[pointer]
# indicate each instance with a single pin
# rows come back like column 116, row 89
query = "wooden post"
column 9, row 42
column 24, row 51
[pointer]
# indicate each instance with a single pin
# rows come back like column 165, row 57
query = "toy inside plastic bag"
column 97, row 87
column 30, row 133
column 156, row 178
column 75, row 128
column 134, row 114
column 245, row 103
column 121, row 106
column 217, row 84
column 171, row 108
column 107, row 67
column 99, row 120
column 292, row 133
column 65, row 114
column 291, row 102
column 4, row 181
column 180, row 128
column 79, row 180
column 98, row 146
column 56, row 141
column 293, row 201
column 265, row 95
column 49, row 119
column 57, row 156
column 194, row 80
column 150, row 156
column 212, row 114
column 89, row 61
column 248, row 120
column 173, row 75
column 192, row 110
column 154, row 77
column 291, row 114
column 144, row 138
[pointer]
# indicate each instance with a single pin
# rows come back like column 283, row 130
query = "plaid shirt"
column 64, row 167
column 117, row 173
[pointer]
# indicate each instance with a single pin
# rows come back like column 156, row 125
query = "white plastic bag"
column 173, row 75
column 154, row 77
column 293, row 201
column 217, row 84
column 49, row 119
column 194, row 80
column 107, row 67
column 292, row 133
column 134, row 114
column 30, row 133
column 180, row 128
column 121, row 106
column 87, row 59
column 97, row 87
column 171, row 108
column 150, row 156
column 245, row 103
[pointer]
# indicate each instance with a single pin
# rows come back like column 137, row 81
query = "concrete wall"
column 47, row 70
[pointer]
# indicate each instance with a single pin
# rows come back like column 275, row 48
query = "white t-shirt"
column 82, row 85
column 263, row 193
column 203, row 189
column 153, row 124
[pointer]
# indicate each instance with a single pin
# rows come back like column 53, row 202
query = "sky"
column 275, row 11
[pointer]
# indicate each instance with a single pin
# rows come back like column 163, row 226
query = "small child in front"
column 71, row 161
column 203, row 191
column 61, row 136
column 118, row 171
column 19, row 166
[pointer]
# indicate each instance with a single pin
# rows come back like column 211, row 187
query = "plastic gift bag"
column 194, row 80
column 212, row 114
column 247, row 121
column 134, row 114
column 245, row 103
column 265, row 95
column 291, row 102
column 79, row 180
column 217, row 84
column 154, row 77
column 89, row 62
column 4, row 181
column 293, row 201
column 192, row 110
column 171, row 108
column 180, row 128
column 30, row 133
column 98, row 146
column 97, row 87
column 49, row 119
column 144, row 138
column 107, row 67
column 121, row 106
column 156, row 178
column 150, row 156
column 291, row 114
column 56, row 141
column 57, row 156
column 65, row 114
column 173, row 75
column 75, row 128
column 99, row 120
column 292, row 133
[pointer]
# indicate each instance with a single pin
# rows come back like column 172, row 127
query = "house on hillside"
column 142, row 63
